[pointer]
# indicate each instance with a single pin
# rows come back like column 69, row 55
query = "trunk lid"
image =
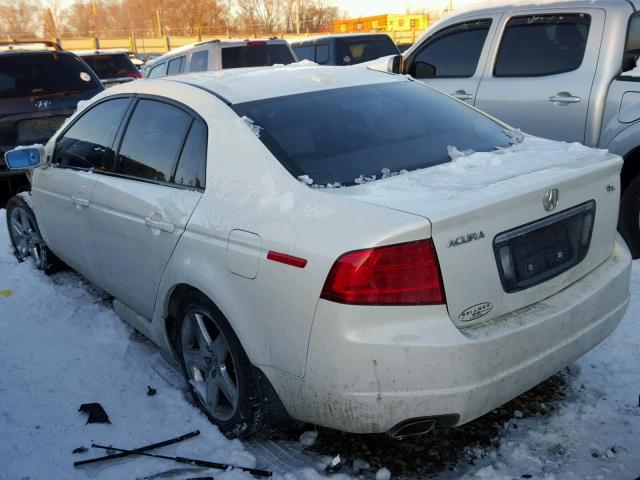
column 482, row 202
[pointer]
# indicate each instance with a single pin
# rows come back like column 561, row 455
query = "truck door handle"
column 79, row 201
column 461, row 95
column 160, row 225
column 564, row 97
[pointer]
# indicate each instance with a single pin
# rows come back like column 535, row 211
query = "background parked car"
column 552, row 69
column 220, row 55
column 111, row 66
column 347, row 49
column 40, row 86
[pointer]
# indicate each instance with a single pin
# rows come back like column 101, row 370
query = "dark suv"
column 40, row 86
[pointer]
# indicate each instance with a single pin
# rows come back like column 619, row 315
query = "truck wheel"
column 25, row 237
column 629, row 219
column 220, row 376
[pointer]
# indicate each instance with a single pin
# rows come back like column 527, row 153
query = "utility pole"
column 298, row 17
column 94, row 12
column 158, row 21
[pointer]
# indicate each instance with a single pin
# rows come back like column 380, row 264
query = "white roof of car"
column 248, row 84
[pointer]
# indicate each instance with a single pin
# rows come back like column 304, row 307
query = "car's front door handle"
column 564, row 97
column 461, row 95
column 79, row 201
column 160, row 225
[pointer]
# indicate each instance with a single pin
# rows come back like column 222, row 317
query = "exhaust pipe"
column 422, row 425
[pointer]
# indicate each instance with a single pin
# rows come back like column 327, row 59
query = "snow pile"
column 471, row 171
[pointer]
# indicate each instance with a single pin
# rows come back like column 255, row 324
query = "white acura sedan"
column 338, row 246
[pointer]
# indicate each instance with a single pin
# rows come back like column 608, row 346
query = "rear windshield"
column 256, row 56
column 356, row 134
column 110, row 66
column 43, row 74
column 357, row 50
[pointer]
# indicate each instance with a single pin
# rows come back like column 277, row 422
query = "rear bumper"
column 368, row 370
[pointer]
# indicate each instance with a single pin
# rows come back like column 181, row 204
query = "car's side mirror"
column 24, row 157
column 395, row 64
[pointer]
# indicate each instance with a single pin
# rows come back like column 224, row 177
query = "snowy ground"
column 61, row 345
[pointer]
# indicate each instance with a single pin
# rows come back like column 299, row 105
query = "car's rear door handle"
column 564, row 97
column 160, row 225
column 79, row 201
column 461, row 95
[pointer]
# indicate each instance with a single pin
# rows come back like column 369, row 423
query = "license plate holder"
column 536, row 252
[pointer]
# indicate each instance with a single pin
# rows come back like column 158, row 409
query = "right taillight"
column 402, row 274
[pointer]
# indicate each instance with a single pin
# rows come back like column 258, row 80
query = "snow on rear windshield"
column 344, row 135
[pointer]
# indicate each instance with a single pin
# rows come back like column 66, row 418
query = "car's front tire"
column 25, row 236
column 220, row 376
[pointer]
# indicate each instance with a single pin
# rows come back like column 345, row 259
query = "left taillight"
column 135, row 75
column 401, row 274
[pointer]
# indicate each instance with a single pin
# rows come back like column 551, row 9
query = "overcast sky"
column 374, row 7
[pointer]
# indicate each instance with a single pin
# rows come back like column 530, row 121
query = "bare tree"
column 20, row 18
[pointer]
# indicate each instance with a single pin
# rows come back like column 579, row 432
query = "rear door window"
column 351, row 51
column 158, row 71
column 175, row 66
column 199, row 61
column 191, row 169
column 538, row 45
column 111, row 66
column 357, row 134
column 322, row 54
column 453, row 52
column 259, row 55
column 305, row 52
column 153, row 140
column 632, row 49
column 88, row 143
column 38, row 74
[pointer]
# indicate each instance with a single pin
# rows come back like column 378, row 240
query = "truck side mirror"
column 395, row 64
column 24, row 157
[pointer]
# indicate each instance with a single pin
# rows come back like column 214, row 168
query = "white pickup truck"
column 562, row 70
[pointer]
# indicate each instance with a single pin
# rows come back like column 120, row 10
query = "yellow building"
column 401, row 24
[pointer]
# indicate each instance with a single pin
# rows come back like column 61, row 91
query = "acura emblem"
column 42, row 103
column 550, row 199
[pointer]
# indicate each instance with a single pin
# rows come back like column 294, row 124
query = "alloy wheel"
column 209, row 364
column 25, row 236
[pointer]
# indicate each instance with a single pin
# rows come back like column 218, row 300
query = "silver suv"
column 221, row 55
column 553, row 70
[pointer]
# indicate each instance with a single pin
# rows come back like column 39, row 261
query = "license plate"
column 536, row 252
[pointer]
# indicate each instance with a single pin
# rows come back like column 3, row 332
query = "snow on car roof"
column 248, row 84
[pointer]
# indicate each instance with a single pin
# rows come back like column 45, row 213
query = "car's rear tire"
column 629, row 219
column 25, row 237
column 219, row 374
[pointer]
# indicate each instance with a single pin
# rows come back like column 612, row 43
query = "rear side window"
column 175, row 66
column 256, row 55
column 632, row 49
column 158, row 71
column 88, row 144
column 451, row 53
column 32, row 75
column 305, row 52
column 153, row 141
column 322, row 54
column 355, row 134
column 111, row 66
column 193, row 159
column 351, row 51
column 199, row 61
column 539, row 45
